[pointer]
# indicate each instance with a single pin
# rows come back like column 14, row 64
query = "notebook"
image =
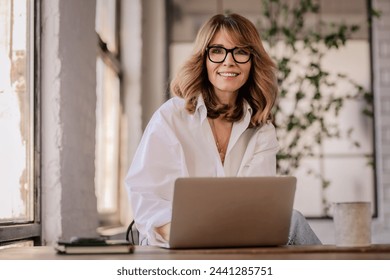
column 87, row 245
column 224, row 212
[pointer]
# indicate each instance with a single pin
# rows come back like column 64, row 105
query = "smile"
column 228, row 74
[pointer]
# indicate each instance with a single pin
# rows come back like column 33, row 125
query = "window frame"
column 13, row 232
column 112, row 60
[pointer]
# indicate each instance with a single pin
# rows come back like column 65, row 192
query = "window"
column 337, row 168
column 108, row 115
column 19, row 192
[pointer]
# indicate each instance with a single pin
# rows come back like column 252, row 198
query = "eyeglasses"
column 219, row 54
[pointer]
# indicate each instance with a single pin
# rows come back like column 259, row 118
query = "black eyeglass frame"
column 226, row 54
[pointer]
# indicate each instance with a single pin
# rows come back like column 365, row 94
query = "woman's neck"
column 226, row 98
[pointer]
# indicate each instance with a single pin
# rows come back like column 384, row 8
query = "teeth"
column 228, row 74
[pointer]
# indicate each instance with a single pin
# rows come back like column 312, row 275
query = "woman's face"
column 228, row 76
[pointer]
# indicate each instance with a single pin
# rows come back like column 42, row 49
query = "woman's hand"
column 164, row 231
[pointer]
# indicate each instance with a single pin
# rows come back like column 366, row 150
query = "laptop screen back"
column 231, row 212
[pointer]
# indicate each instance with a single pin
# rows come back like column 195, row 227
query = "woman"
column 219, row 124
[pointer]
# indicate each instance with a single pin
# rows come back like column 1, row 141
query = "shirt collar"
column 248, row 109
column 201, row 110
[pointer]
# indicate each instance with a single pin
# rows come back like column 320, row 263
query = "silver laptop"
column 231, row 212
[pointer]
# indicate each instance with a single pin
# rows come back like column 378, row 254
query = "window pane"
column 107, row 138
column 16, row 113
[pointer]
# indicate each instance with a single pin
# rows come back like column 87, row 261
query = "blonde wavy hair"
column 260, row 90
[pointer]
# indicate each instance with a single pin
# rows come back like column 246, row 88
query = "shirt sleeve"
column 262, row 153
column 157, row 163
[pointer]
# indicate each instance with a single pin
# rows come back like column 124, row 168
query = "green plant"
column 309, row 103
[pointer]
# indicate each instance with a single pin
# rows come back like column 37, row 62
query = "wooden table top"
column 321, row 252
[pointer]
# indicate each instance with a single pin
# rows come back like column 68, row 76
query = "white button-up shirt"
column 178, row 144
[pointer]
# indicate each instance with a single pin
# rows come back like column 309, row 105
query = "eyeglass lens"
column 219, row 54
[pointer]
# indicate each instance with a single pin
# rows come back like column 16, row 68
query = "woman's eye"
column 216, row 50
column 241, row 52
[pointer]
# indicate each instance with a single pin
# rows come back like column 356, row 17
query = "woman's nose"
column 229, row 60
